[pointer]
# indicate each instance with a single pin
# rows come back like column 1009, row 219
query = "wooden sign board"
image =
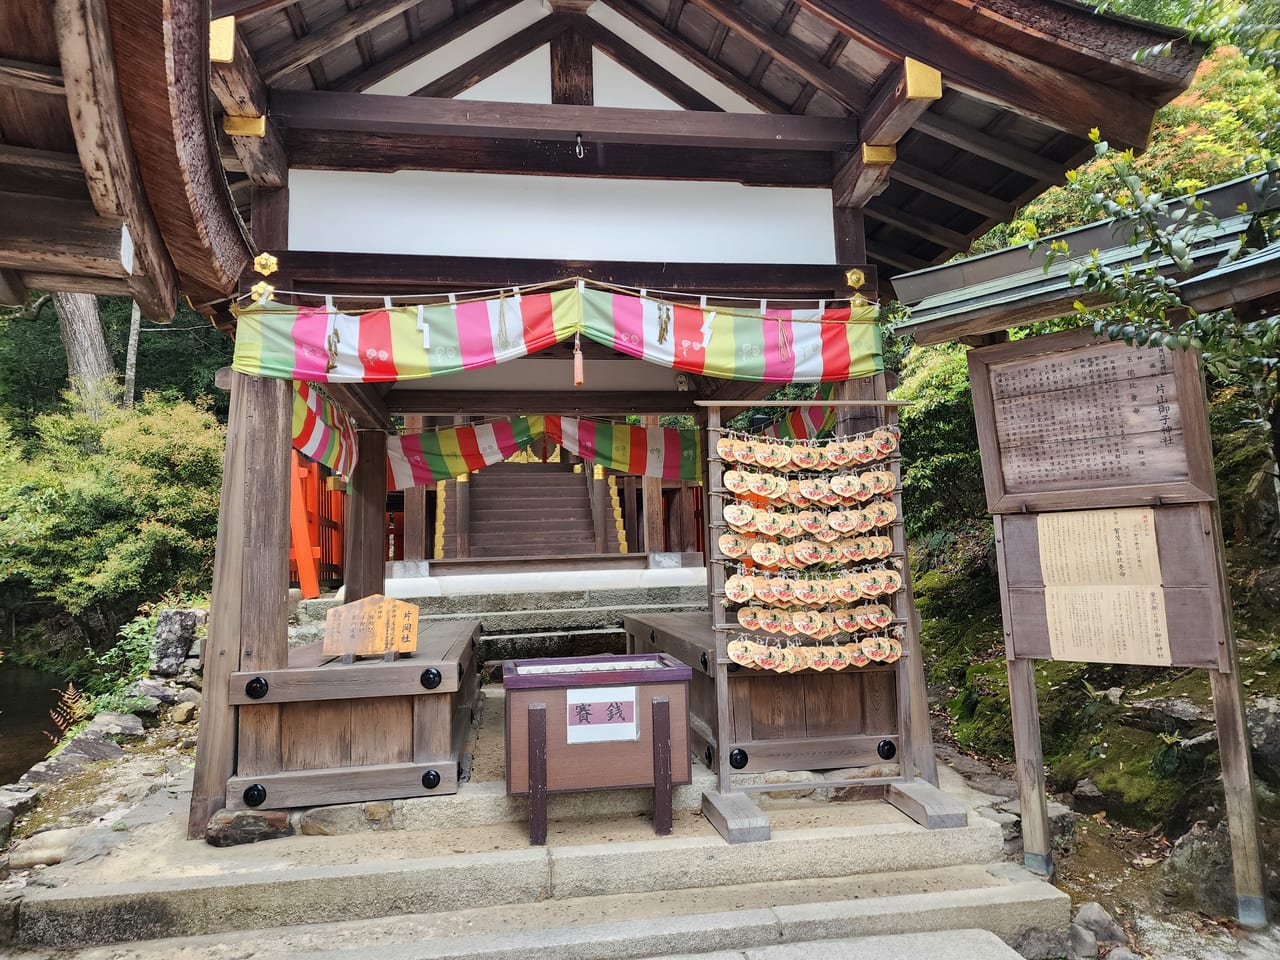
column 1066, row 422
column 372, row 626
column 1129, row 585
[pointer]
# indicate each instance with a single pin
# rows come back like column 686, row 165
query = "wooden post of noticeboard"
column 1099, row 471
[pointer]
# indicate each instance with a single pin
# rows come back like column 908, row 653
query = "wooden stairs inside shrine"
column 526, row 510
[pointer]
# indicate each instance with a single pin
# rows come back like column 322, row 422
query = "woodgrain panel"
column 309, row 788
column 313, row 736
column 833, row 704
column 880, row 706
column 382, row 730
column 777, row 709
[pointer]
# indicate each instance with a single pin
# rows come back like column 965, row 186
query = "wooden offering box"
column 595, row 723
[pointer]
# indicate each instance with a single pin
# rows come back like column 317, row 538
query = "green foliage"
column 942, row 470
column 176, row 361
column 97, row 517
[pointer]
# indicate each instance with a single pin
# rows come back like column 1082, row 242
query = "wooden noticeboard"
column 1099, row 474
column 1066, row 423
column 371, row 626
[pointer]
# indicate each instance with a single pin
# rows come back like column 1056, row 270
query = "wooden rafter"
column 999, row 151
column 656, row 28
column 908, row 90
column 951, row 240
column 288, row 56
column 895, row 258
column 829, row 56
column 242, row 93
column 498, row 57
column 654, row 74
column 949, row 189
column 781, row 28
column 429, row 43
column 106, row 153
column 424, row 116
column 245, row 8
column 1054, row 95
column 42, row 173
column 846, row 90
column 298, row 24
column 37, row 77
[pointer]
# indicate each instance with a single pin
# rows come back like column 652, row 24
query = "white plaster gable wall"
column 482, row 215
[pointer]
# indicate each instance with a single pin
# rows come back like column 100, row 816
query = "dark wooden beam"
column 498, row 57
column 42, row 173
column 75, row 283
column 572, row 73
column 241, row 92
column 374, row 274
column 833, row 52
column 946, row 188
column 371, row 152
column 106, row 151
column 781, row 27
column 655, row 27
column 627, row 56
column 844, row 89
column 414, row 51
column 37, row 77
column 161, row 54
column 572, row 401
column 423, row 116
column 60, row 236
column 291, row 54
column 1063, row 98
column 364, row 402
column 907, row 91
column 1002, row 152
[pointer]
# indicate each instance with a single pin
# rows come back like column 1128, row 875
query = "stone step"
column 494, row 906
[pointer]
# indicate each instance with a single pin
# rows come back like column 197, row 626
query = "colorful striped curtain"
column 806, row 423
column 322, row 431
column 426, row 458
column 408, row 343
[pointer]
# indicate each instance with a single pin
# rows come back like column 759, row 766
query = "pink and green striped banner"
column 408, row 343
column 322, row 431
column 445, row 454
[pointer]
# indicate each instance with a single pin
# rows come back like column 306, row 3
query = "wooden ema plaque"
column 373, row 626
column 1066, row 422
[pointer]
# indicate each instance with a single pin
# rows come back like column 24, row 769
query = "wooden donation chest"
column 594, row 723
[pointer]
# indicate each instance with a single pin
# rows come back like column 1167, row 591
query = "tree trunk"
column 89, row 366
column 131, row 357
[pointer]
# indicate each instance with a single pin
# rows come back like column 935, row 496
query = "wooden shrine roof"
column 113, row 180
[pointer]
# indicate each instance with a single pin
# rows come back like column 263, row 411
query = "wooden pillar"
column 365, row 562
column 600, row 515
column 248, row 622
column 1037, row 848
column 651, row 491
column 415, row 507
column 572, row 80
column 462, row 517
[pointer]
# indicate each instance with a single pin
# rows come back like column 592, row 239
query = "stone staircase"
column 525, row 510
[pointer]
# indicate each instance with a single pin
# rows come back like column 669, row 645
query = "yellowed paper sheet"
column 1108, row 624
column 1112, row 547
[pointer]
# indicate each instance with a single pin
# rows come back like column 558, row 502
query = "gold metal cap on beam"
column 245, row 126
column 222, row 40
column 923, row 81
column 878, row 156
